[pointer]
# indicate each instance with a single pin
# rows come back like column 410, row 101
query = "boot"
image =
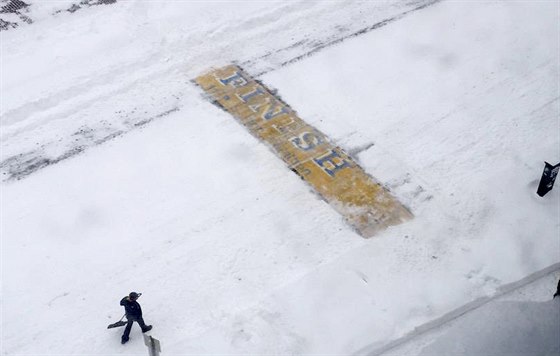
column 124, row 340
column 148, row 328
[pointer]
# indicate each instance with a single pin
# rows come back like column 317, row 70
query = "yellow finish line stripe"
column 364, row 203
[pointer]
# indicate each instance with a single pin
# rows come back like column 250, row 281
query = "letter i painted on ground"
column 339, row 180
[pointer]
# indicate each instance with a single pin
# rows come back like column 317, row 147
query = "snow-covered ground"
column 108, row 69
column 120, row 176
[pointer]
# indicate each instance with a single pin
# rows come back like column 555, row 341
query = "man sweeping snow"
column 133, row 314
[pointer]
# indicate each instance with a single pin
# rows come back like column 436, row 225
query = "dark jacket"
column 132, row 308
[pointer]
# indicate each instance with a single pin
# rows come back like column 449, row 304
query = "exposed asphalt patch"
column 84, row 4
column 22, row 165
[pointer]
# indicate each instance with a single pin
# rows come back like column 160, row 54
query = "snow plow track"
column 93, row 109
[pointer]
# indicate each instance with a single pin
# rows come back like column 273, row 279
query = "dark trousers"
column 131, row 320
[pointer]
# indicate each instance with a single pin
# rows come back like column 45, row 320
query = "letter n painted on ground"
column 364, row 203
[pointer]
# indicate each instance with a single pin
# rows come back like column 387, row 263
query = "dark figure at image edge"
column 133, row 314
column 557, row 294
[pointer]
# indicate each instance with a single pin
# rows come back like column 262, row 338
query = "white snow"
column 233, row 253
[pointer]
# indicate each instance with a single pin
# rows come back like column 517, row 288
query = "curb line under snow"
column 454, row 314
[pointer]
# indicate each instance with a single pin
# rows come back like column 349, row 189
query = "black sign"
column 547, row 180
